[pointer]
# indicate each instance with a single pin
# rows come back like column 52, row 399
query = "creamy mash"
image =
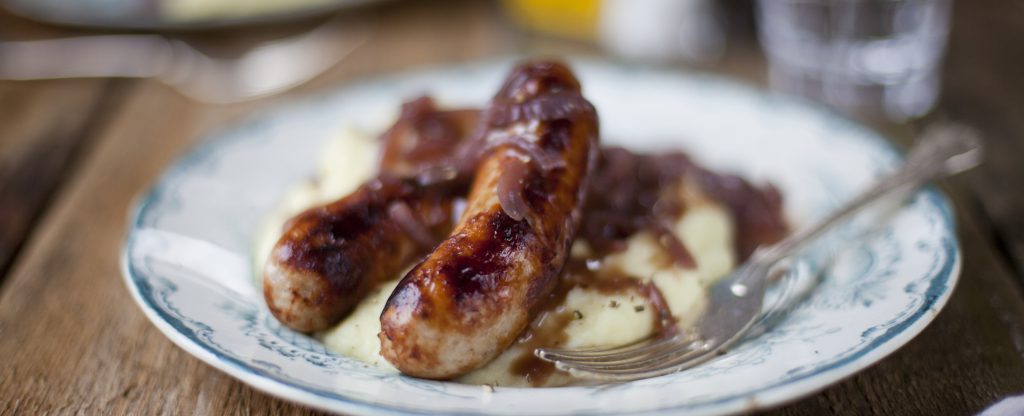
column 600, row 319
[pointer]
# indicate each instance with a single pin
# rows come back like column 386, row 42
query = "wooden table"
column 74, row 153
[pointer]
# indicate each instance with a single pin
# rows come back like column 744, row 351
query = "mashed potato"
column 601, row 319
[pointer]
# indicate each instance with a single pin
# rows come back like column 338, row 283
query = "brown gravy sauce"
column 631, row 193
column 424, row 143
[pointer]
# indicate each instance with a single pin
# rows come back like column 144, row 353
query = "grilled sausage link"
column 470, row 298
column 329, row 257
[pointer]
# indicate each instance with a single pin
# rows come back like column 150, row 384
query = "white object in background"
column 662, row 30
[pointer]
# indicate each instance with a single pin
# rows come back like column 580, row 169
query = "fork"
column 270, row 68
column 735, row 302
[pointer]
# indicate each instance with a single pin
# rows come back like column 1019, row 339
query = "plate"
column 172, row 14
column 186, row 260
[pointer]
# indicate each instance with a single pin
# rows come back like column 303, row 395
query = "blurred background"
column 874, row 58
column 97, row 97
column 894, row 64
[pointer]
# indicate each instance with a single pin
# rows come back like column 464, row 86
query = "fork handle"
column 943, row 150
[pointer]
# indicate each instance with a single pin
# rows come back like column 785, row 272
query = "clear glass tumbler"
column 873, row 57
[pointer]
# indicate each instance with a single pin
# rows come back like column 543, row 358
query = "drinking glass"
column 873, row 57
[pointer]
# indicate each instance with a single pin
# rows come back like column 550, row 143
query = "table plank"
column 982, row 86
column 76, row 341
column 43, row 128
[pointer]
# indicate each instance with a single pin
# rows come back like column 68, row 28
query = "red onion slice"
column 562, row 105
column 510, row 189
column 546, row 160
column 676, row 249
column 402, row 215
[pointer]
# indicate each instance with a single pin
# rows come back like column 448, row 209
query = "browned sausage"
column 331, row 256
column 469, row 299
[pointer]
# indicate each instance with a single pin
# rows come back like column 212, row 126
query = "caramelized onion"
column 510, row 189
column 757, row 212
column 562, row 105
column 422, row 142
column 673, row 245
column 545, row 159
column 436, row 174
column 402, row 215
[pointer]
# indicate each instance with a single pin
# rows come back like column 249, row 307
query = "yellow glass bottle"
column 574, row 19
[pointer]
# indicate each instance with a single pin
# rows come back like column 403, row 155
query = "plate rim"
column 943, row 279
column 155, row 22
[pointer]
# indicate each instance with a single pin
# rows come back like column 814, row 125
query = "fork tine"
column 677, row 365
column 600, row 350
column 656, row 348
column 733, row 306
column 669, row 356
column 609, row 354
column 570, row 355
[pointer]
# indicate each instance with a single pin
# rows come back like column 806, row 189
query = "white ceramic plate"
column 172, row 14
column 184, row 258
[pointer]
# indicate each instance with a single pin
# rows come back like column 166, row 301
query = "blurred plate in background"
column 171, row 14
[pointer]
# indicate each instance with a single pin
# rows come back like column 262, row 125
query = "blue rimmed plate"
column 172, row 14
column 185, row 261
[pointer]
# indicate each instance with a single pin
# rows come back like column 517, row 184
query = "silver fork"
column 266, row 69
column 735, row 302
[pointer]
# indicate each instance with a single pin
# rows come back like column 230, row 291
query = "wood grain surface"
column 40, row 145
column 983, row 88
column 73, row 341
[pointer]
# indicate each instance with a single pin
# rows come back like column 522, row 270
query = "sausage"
column 468, row 300
column 329, row 257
